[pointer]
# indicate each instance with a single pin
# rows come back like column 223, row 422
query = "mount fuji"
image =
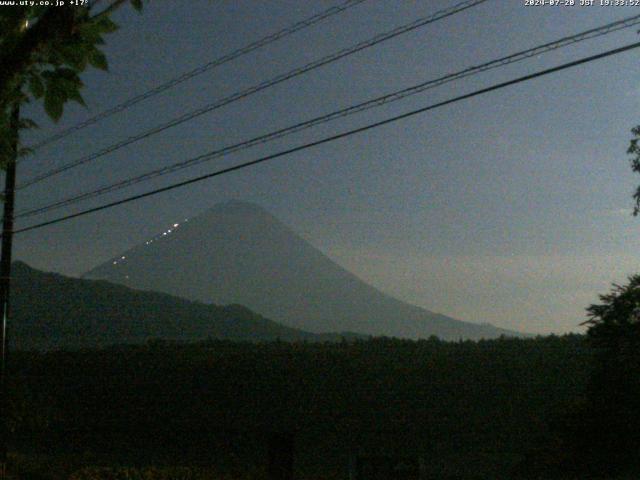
column 238, row 253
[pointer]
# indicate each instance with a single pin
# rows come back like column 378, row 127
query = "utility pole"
column 5, row 282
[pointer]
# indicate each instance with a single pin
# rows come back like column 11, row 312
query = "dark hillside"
column 54, row 311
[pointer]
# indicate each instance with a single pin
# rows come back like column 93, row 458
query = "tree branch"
column 55, row 25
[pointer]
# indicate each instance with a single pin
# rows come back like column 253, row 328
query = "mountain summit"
column 238, row 253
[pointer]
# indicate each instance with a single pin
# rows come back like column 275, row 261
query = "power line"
column 332, row 138
column 384, row 99
column 291, row 29
column 259, row 87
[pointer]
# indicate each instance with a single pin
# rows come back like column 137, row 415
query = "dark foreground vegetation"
column 550, row 407
column 488, row 409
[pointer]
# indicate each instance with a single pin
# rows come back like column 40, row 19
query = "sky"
column 512, row 208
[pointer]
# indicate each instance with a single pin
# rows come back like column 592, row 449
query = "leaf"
column 90, row 33
column 53, row 105
column 36, row 86
column 27, row 124
column 98, row 59
column 137, row 4
column 77, row 97
column 75, row 56
column 25, row 151
column 63, row 81
column 105, row 25
column 66, row 74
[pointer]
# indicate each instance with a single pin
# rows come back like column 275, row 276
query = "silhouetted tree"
column 613, row 423
column 634, row 150
column 43, row 51
column 598, row 436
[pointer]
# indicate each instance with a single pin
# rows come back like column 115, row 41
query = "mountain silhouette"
column 52, row 311
column 238, row 253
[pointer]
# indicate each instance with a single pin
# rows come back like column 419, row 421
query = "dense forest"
column 483, row 409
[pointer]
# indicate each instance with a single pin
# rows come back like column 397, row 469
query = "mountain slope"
column 53, row 311
column 236, row 252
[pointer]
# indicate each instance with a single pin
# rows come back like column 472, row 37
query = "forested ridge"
column 468, row 408
column 52, row 311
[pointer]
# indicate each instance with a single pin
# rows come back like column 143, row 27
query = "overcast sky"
column 511, row 208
